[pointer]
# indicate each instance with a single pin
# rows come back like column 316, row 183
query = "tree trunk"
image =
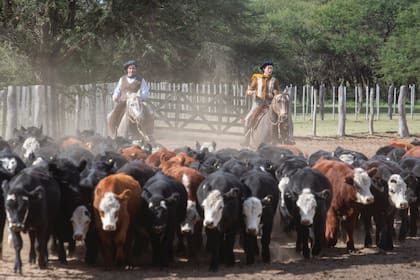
column 402, row 122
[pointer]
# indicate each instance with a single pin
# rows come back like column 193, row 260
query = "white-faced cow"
column 32, row 201
column 219, row 203
column 307, row 197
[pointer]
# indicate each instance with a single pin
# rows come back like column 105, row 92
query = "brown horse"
column 273, row 117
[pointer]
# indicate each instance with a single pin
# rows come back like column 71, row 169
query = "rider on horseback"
column 130, row 83
column 263, row 88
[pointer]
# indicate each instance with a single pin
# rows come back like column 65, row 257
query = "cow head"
column 361, row 182
column 9, row 164
column 80, row 221
column 252, row 210
column 159, row 208
column 306, row 203
column 18, row 203
column 109, row 208
column 397, row 191
column 30, row 146
column 192, row 217
column 213, row 206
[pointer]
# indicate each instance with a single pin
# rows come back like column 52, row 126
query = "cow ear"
column 325, row 194
column 37, row 193
column 82, row 165
column 349, row 180
column 173, row 198
column 371, row 172
column 124, row 195
column 232, row 193
column 267, row 200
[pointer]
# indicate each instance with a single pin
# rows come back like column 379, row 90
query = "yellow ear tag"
column 268, row 199
column 110, row 160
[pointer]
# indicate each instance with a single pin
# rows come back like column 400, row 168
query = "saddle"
column 257, row 115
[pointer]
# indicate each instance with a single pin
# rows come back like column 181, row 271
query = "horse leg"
column 275, row 135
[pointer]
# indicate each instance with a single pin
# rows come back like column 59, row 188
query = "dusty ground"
column 402, row 263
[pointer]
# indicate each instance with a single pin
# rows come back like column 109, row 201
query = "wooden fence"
column 215, row 108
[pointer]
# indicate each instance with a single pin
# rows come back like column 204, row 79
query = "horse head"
column 280, row 106
column 134, row 107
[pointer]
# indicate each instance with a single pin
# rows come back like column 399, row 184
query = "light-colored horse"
column 277, row 114
column 132, row 121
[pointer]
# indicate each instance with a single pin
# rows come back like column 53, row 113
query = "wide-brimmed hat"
column 128, row 63
column 265, row 64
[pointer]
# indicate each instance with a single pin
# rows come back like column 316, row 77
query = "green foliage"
column 79, row 41
column 400, row 56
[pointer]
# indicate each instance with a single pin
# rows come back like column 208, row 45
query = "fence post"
column 355, row 102
column 322, row 90
column 333, row 101
column 303, row 101
column 3, row 99
column 378, row 95
column 412, row 100
column 402, row 121
column 371, row 112
column 367, row 103
column 294, row 102
column 341, row 111
column 11, row 116
column 390, row 98
column 314, row 94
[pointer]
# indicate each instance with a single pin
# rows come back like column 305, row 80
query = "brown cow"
column 117, row 202
column 133, row 152
column 401, row 144
column 155, row 158
column 295, row 150
column 181, row 159
column 351, row 189
column 414, row 152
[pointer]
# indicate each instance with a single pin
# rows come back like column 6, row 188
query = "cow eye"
column 392, row 191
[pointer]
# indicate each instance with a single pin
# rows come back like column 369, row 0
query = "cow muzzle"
column 209, row 224
column 78, row 237
column 17, row 227
column 306, row 222
column 109, row 227
column 252, row 231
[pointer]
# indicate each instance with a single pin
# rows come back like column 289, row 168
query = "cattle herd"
column 120, row 198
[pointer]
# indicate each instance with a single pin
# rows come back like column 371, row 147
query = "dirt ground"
column 368, row 263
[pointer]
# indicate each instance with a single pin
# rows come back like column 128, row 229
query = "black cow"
column 259, row 210
column 412, row 166
column 307, row 197
column 219, row 203
column 32, row 200
column 139, row 170
column 389, row 191
column 166, row 202
column 73, row 207
column 10, row 165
